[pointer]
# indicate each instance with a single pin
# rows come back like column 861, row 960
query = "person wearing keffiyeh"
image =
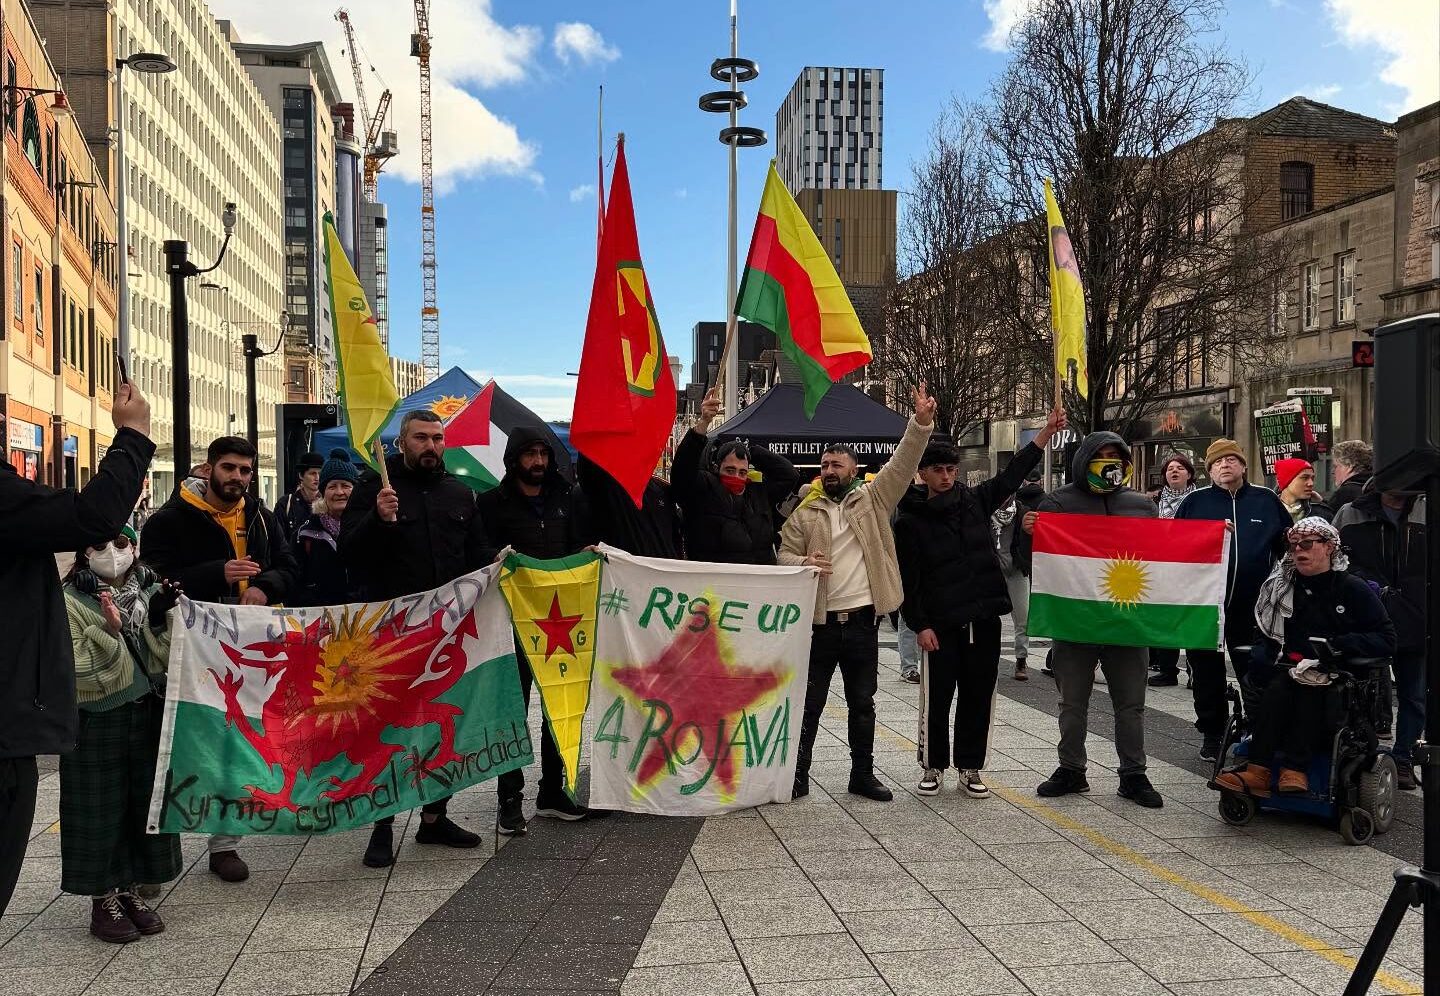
column 1309, row 595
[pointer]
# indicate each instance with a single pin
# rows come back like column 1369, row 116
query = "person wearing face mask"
column 841, row 528
column 1309, row 594
column 1100, row 479
column 1258, row 522
column 117, row 610
column 324, row 578
column 418, row 533
column 730, row 512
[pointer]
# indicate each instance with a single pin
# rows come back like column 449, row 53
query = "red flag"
column 625, row 398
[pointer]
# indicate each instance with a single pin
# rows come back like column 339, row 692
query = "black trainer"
column 1210, row 749
column 1063, row 782
column 801, row 788
column 380, row 852
column 867, row 785
column 510, row 820
column 447, row 833
column 1137, row 788
column 561, row 807
column 1164, row 679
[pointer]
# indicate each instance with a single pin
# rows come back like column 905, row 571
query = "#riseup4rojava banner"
column 323, row 719
column 699, row 684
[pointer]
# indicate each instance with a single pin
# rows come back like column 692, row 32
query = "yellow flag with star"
column 553, row 608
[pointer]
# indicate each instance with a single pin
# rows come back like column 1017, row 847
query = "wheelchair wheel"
column 1377, row 792
column 1235, row 809
column 1357, row 826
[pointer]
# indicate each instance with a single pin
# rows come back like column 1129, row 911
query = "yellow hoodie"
column 233, row 521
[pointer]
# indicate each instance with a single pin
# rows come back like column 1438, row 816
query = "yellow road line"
column 1265, row 920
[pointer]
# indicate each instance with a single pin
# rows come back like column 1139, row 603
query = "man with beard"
column 842, row 529
column 535, row 512
column 417, row 534
column 220, row 546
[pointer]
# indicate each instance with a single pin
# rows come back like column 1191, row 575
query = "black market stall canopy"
column 845, row 415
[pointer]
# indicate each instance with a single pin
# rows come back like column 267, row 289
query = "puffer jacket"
column 1392, row 556
column 725, row 528
column 948, row 563
column 1077, row 499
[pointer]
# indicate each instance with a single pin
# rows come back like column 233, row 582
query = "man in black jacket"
column 417, row 534
column 730, row 517
column 221, row 546
column 652, row 530
column 955, row 595
column 37, row 666
column 536, row 512
column 294, row 508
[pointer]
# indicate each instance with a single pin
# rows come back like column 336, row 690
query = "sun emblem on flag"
column 1125, row 581
column 447, row 405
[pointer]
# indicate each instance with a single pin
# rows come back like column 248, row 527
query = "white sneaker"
column 972, row 785
column 932, row 782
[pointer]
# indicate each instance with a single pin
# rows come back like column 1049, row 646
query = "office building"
column 194, row 140
column 828, row 130
column 409, row 375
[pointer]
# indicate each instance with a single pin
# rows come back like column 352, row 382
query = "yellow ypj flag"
column 365, row 383
column 553, row 606
column 1067, row 300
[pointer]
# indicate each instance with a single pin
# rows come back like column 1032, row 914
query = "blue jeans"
column 909, row 649
column 1410, row 688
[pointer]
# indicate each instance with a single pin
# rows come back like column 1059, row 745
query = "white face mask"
column 110, row 563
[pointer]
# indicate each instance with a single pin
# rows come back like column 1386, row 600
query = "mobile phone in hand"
column 120, row 366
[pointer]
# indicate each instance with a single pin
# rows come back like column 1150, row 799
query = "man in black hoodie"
column 37, row 665
column 1099, row 485
column 652, row 530
column 955, row 595
column 538, row 513
column 417, row 534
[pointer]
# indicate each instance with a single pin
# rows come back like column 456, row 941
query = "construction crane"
column 429, row 309
column 380, row 143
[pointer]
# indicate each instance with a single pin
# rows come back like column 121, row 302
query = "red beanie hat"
column 1288, row 469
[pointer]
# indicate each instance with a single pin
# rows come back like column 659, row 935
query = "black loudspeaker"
column 1407, row 402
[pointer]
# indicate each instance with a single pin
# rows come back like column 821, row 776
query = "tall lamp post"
column 180, row 269
column 250, row 347
column 228, row 331
column 152, row 63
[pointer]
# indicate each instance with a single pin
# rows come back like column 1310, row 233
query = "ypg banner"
column 699, row 685
column 552, row 603
column 323, row 719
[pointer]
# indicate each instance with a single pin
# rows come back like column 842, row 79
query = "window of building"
column 30, row 137
column 1310, row 297
column 1345, row 287
column 1297, row 189
column 17, row 282
column 39, row 303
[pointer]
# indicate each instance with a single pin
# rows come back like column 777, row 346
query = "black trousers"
column 1293, row 722
column 552, row 769
column 19, row 780
column 963, row 668
column 854, row 647
column 1207, row 670
column 1165, row 661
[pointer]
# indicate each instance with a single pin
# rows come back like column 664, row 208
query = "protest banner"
column 315, row 720
column 1281, row 431
column 699, row 684
column 1316, row 402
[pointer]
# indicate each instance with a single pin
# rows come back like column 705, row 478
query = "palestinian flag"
column 1128, row 582
column 475, row 445
column 791, row 287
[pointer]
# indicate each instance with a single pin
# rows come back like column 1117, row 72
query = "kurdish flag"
column 791, row 287
column 366, row 385
column 1130, row 582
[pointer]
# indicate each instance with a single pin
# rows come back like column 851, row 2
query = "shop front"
column 25, row 448
column 1188, row 426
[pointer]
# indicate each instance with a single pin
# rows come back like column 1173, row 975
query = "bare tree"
column 1127, row 104
column 939, row 321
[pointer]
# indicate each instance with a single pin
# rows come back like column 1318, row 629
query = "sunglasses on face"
column 1306, row 544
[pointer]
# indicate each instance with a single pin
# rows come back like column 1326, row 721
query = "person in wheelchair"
column 1308, row 597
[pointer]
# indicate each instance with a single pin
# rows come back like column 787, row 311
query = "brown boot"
column 229, row 866
column 1293, row 781
column 1253, row 779
column 109, row 921
column 146, row 920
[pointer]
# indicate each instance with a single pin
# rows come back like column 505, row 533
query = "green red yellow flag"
column 365, row 383
column 791, row 287
column 553, row 607
column 1067, row 301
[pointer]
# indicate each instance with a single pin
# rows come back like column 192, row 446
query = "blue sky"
column 516, row 127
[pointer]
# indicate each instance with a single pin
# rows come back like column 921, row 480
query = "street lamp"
column 153, row 63
column 228, row 331
column 180, row 268
column 250, row 346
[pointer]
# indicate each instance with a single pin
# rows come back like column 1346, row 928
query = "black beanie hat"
column 338, row 468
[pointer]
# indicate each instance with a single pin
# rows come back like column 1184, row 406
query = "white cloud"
column 469, row 49
column 1004, row 15
column 581, row 193
column 1405, row 31
column 579, row 41
column 682, row 192
column 1319, row 91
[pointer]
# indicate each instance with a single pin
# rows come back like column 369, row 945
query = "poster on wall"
column 1317, row 413
column 1282, row 432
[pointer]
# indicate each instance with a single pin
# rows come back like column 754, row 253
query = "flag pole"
column 380, row 462
column 600, row 169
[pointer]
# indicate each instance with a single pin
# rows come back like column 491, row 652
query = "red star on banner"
column 700, row 687
column 557, row 629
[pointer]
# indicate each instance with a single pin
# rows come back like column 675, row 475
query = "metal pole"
column 177, row 265
column 229, row 366
column 731, row 373
column 250, row 346
column 122, row 239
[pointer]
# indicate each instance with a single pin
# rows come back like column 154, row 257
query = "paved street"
column 831, row 895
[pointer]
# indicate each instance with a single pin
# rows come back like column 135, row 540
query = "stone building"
column 1415, row 286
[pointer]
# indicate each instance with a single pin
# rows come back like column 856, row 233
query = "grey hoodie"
column 1078, row 499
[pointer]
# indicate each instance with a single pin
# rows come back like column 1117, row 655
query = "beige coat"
column 868, row 510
